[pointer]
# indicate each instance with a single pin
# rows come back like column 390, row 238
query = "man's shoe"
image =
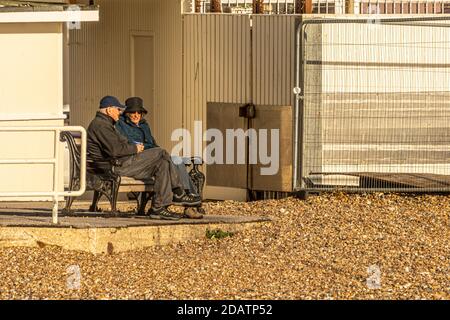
column 163, row 214
column 196, row 196
column 186, row 200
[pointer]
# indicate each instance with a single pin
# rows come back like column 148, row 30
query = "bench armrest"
column 197, row 160
column 102, row 166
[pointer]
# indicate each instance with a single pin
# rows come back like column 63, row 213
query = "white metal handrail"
column 55, row 194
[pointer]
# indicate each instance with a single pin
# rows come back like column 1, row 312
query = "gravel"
column 333, row 246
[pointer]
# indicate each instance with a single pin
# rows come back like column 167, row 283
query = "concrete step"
column 102, row 233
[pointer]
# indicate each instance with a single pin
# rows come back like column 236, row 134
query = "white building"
column 32, row 38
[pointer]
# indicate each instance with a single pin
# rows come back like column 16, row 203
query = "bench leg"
column 143, row 199
column 69, row 202
column 74, row 183
column 114, row 194
column 198, row 178
column 95, row 200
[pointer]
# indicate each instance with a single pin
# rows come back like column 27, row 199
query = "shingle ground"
column 322, row 248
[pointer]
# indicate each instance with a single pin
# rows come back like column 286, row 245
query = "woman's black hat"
column 134, row 104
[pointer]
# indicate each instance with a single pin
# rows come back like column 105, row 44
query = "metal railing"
column 334, row 6
column 401, row 6
column 55, row 161
column 275, row 6
column 372, row 112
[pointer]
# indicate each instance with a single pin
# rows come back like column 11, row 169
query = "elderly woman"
column 133, row 126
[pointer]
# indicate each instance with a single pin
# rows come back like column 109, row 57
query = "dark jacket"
column 104, row 142
column 136, row 134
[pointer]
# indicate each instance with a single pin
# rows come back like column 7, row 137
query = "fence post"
column 303, row 6
column 350, row 7
column 298, row 6
column 258, row 6
column 216, row 6
column 198, row 6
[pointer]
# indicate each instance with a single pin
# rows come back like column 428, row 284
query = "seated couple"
column 127, row 137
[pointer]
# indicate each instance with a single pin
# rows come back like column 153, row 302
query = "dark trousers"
column 157, row 163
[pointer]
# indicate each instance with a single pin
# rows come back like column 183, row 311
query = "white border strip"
column 49, row 16
column 30, row 116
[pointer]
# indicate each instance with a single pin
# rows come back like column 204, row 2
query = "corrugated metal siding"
column 220, row 56
column 216, row 63
column 273, row 59
column 101, row 62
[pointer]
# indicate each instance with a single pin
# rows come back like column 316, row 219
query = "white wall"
column 30, row 95
column 31, row 68
column 100, row 60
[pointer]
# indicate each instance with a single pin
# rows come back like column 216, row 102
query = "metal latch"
column 298, row 93
column 248, row 111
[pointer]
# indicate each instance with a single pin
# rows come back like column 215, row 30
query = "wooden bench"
column 104, row 181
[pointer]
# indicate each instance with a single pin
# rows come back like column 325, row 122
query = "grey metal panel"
column 224, row 116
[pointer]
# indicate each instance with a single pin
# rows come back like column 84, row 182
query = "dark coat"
column 104, row 142
column 136, row 134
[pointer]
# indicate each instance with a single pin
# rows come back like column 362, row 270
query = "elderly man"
column 106, row 143
column 136, row 129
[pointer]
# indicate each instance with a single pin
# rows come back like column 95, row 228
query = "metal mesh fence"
column 376, row 106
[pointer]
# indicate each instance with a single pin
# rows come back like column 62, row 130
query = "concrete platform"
column 103, row 233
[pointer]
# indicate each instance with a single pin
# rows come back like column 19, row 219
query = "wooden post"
column 258, row 6
column 307, row 6
column 303, row 6
column 298, row 8
column 198, row 6
column 350, row 7
column 216, row 6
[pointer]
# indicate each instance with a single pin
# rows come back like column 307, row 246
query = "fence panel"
column 376, row 111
